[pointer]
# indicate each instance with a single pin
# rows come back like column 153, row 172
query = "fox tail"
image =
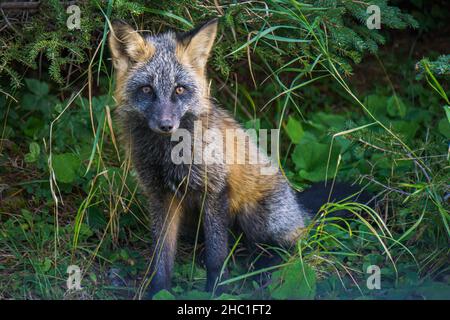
column 320, row 193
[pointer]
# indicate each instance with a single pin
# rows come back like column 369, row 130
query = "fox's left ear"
column 127, row 46
column 193, row 47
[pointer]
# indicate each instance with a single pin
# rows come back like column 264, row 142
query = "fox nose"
column 166, row 125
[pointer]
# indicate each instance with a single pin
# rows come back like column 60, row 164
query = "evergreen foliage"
column 275, row 29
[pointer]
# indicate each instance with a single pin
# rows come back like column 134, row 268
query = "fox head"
column 161, row 78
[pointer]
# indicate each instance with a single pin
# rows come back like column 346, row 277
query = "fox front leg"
column 165, row 225
column 215, row 226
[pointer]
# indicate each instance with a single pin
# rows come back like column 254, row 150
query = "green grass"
column 70, row 196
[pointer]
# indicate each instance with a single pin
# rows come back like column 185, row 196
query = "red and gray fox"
column 162, row 88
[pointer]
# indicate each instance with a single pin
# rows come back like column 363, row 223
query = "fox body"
column 161, row 87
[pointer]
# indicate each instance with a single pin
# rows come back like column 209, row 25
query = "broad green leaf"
column 33, row 155
column 329, row 120
column 295, row 281
column 396, row 107
column 253, row 124
column 33, row 126
column 37, row 87
column 447, row 112
column 29, row 101
column 66, row 166
column 406, row 128
column 46, row 265
column 96, row 218
column 294, row 130
column 444, row 128
column 376, row 104
column 164, row 295
column 311, row 159
column 27, row 215
column 444, row 124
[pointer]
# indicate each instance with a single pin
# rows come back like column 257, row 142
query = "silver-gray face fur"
column 163, row 74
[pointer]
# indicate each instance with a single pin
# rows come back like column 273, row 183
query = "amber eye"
column 179, row 90
column 147, row 89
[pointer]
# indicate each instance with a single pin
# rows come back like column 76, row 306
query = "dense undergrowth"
column 68, row 195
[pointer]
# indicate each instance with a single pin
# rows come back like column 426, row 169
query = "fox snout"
column 164, row 124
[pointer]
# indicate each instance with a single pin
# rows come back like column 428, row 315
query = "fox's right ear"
column 127, row 46
column 194, row 46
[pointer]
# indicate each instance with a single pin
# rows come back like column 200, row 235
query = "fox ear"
column 193, row 47
column 127, row 46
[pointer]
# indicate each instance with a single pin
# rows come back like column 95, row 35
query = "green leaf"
column 406, row 128
column 164, row 295
column 444, row 124
column 447, row 112
column 227, row 296
column 253, row 124
column 444, row 128
column 37, row 87
column 311, row 160
column 29, row 101
column 329, row 120
column 46, row 265
column 196, row 295
column 295, row 281
column 33, row 127
column 376, row 104
column 33, row 155
column 96, row 218
column 66, row 166
column 27, row 216
column 396, row 107
column 294, row 130
column 93, row 277
column 124, row 254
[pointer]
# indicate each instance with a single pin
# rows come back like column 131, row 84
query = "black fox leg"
column 165, row 224
column 215, row 225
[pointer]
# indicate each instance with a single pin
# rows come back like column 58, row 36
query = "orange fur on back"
column 247, row 186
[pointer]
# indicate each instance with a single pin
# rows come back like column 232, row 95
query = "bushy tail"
column 319, row 193
column 312, row 199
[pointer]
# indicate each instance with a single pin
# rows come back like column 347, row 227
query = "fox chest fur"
column 152, row 157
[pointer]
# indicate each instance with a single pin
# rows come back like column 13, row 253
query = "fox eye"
column 180, row 90
column 147, row 89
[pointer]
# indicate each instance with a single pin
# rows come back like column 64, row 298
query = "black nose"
column 166, row 125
